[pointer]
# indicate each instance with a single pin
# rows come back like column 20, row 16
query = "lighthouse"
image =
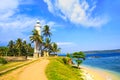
column 37, row 52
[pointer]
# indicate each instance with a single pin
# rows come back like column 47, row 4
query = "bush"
column 3, row 61
column 65, row 60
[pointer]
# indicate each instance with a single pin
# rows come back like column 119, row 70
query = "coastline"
column 93, row 73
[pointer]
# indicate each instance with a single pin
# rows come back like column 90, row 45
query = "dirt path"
column 35, row 71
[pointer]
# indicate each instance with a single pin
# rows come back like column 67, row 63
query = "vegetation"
column 3, row 61
column 44, row 40
column 79, row 57
column 22, row 48
column 3, row 51
column 55, row 48
column 68, row 55
column 17, row 48
column 13, row 65
column 57, row 70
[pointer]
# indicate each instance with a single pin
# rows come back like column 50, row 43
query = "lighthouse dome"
column 37, row 23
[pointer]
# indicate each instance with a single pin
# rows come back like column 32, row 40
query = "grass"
column 9, row 65
column 57, row 70
column 13, row 65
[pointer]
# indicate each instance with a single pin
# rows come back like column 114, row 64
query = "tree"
column 68, row 55
column 24, row 48
column 44, row 41
column 79, row 57
column 3, row 51
column 19, row 46
column 29, row 50
column 37, row 39
column 55, row 48
column 46, row 31
column 47, row 40
column 12, row 51
column 47, row 44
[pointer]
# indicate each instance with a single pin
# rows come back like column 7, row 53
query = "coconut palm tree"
column 29, row 50
column 3, row 51
column 47, row 44
column 19, row 46
column 55, row 48
column 12, row 49
column 37, row 39
column 46, row 31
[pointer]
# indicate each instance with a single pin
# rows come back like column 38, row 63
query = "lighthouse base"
column 36, row 55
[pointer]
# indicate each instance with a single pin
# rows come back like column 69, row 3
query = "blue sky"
column 76, row 25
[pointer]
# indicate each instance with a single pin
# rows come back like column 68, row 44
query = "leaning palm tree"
column 55, row 48
column 37, row 39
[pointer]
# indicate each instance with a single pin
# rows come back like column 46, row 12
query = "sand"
column 98, row 74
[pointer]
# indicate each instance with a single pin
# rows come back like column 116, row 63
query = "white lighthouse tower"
column 37, row 44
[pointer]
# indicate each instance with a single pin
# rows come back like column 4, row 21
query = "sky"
column 76, row 25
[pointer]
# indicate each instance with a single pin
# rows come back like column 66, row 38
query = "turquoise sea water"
column 108, row 61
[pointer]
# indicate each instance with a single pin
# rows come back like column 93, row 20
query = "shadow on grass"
column 74, row 66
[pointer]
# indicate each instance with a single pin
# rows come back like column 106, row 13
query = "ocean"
column 107, row 61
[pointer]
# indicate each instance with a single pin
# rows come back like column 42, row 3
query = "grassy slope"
column 57, row 70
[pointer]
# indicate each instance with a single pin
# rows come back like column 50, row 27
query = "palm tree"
column 19, row 46
column 47, row 45
column 3, row 51
column 46, row 31
column 37, row 39
column 11, row 48
column 24, row 48
column 55, row 48
column 29, row 49
column 11, row 44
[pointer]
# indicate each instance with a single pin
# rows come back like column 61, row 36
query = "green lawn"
column 13, row 65
column 9, row 65
column 57, row 70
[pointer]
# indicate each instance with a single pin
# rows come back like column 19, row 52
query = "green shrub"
column 3, row 61
column 65, row 60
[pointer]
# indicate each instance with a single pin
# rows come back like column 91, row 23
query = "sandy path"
column 35, row 71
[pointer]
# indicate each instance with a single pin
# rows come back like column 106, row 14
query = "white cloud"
column 50, row 6
column 77, row 11
column 8, row 8
column 14, row 25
